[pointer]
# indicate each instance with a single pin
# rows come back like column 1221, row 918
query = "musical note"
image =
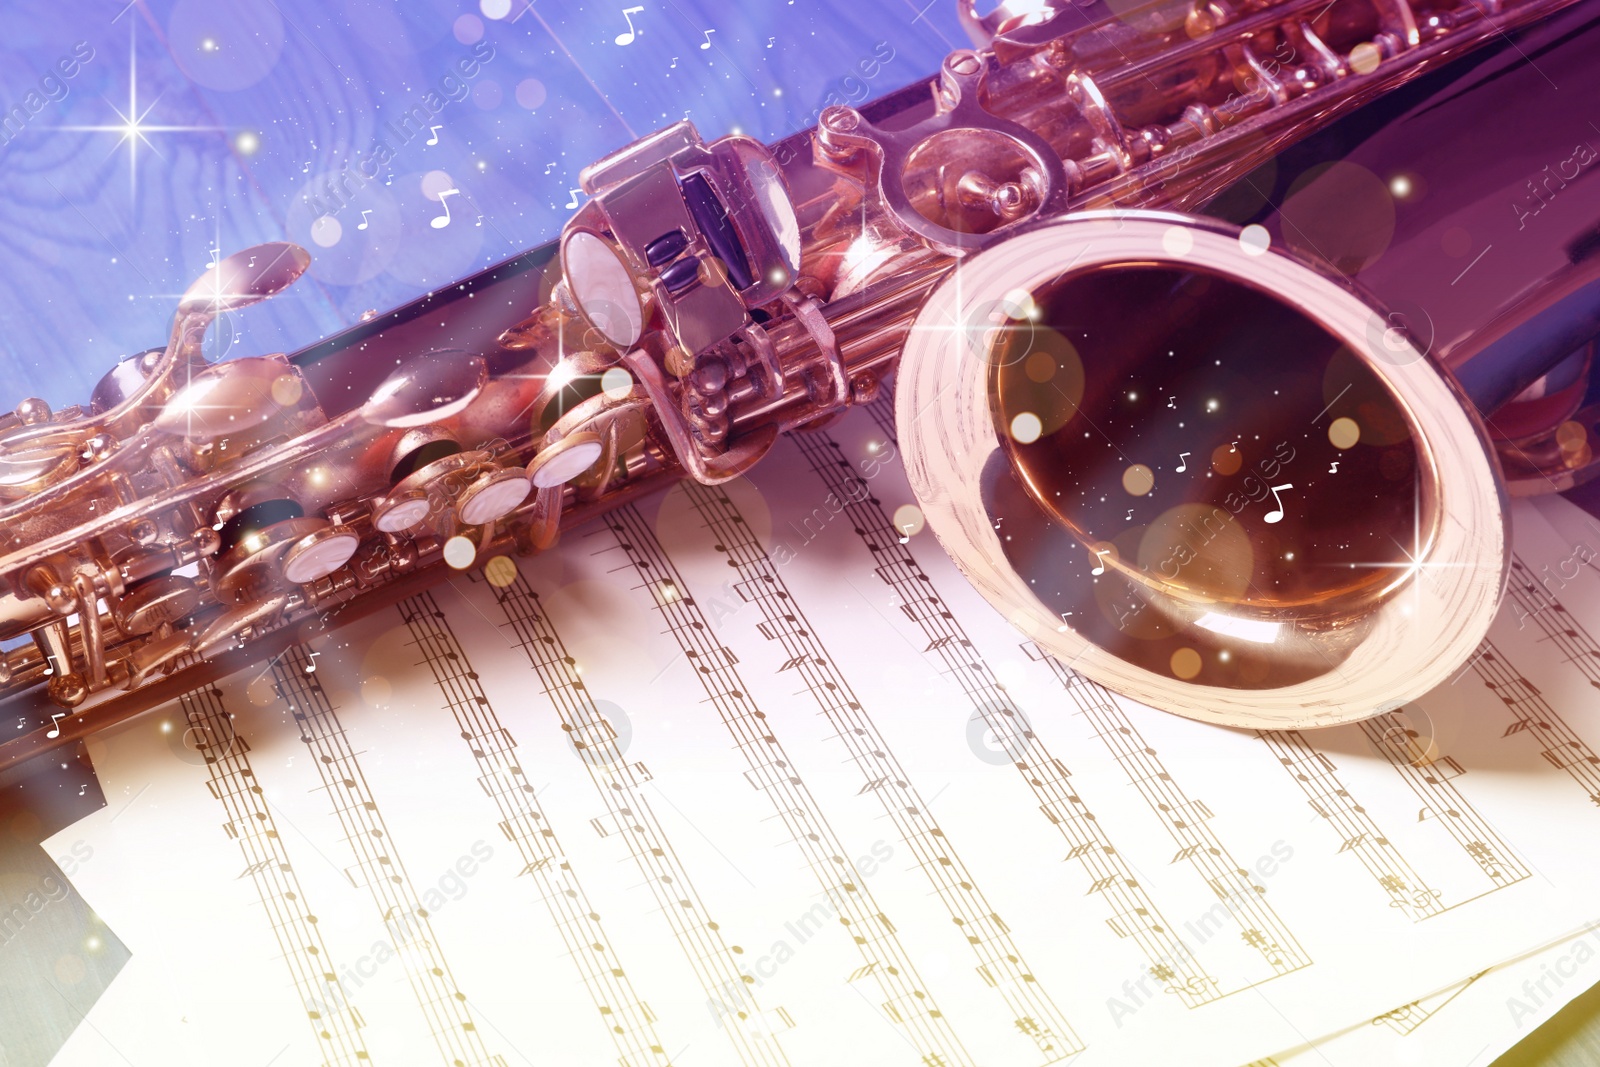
column 479, row 223
column 1335, row 468
column 55, row 723
column 1276, row 514
column 549, row 168
column 311, row 668
column 1183, row 462
column 628, row 13
column 444, row 220
column 1099, row 561
column 707, row 45
column 82, row 789
column 1063, row 627
column 1129, row 517
column 435, row 131
column 770, row 40
column 674, row 63
column 574, row 203
column 50, row 663
column 1172, row 402
column 363, row 224
column 216, row 257
column 22, row 722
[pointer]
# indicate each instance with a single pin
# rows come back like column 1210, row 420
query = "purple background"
column 266, row 100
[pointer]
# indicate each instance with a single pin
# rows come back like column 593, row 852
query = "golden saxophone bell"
column 1202, row 472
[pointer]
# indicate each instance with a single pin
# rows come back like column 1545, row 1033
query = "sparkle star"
column 131, row 126
column 1417, row 564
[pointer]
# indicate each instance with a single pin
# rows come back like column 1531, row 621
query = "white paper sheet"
column 785, row 808
column 1475, row 1021
column 1468, row 1023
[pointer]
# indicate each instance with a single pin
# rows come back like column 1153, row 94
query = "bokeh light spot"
column 459, row 552
column 435, row 182
column 1365, row 57
column 1178, row 241
column 500, row 571
column 1186, row 663
column 1025, row 428
column 1226, row 460
column 286, row 390
column 1019, row 304
column 1344, row 432
column 326, row 231
column 1138, row 479
column 908, row 520
column 616, row 383
column 530, row 93
column 1039, row 367
column 376, row 691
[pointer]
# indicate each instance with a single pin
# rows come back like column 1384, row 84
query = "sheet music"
column 735, row 776
column 1481, row 1017
column 1471, row 1022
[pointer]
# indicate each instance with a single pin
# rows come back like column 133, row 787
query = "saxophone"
column 1179, row 259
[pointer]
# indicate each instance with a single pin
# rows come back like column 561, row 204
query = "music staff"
column 1001, row 964
column 907, row 1000
column 1533, row 717
column 1261, row 928
column 1559, row 742
column 335, row 1022
column 630, row 819
column 1357, row 831
column 1430, row 775
column 1188, row 822
column 378, row 862
column 1405, row 1019
column 1134, row 913
column 626, row 1017
column 1185, row 820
